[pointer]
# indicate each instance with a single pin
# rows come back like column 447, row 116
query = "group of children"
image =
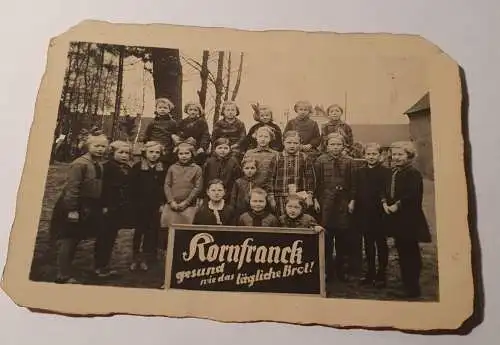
column 302, row 178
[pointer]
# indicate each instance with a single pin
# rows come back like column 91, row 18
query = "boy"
column 258, row 214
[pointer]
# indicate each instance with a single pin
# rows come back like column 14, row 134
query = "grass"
column 44, row 260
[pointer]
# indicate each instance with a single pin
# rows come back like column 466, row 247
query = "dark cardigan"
column 205, row 216
column 276, row 144
column 196, row 129
column 116, row 193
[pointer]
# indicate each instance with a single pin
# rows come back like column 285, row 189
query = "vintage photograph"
column 148, row 138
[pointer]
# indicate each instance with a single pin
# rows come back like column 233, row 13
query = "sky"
column 374, row 90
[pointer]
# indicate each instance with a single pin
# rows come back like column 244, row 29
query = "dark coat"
column 116, row 194
column 276, row 144
column 196, row 129
column 226, row 169
column 266, row 219
column 205, row 216
column 409, row 222
column 234, row 131
column 161, row 130
column 303, row 221
column 308, row 130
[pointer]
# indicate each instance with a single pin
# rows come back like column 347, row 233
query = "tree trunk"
column 238, row 79
column 118, row 98
column 218, row 86
column 228, row 80
column 167, row 77
column 202, row 93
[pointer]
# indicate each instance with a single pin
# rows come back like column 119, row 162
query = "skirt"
column 169, row 216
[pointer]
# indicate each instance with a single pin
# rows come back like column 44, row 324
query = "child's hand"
column 234, row 147
column 174, row 206
column 350, row 207
column 317, row 206
column 181, row 206
column 161, row 208
column 176, row 138
column 199, row 202
column 272, row 203
column 393, row 208
column 306, row 147
column 73, row 215
column 200, row 150
column 386, row 208
column 309, row 201
column 318, row 228
column 105, row 210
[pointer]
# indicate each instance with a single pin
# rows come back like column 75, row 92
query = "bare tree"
column 228, row 78
column 204, row 72
column 118, row 98
column 238, row 79
column 219, row 86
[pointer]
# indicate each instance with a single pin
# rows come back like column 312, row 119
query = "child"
column 240, row 195
column 307, row 128
column 116, row 200
column 221, row 165
column 295, row 217
column 147, row 180
column 264, row 117
column 195, row 126
column 290, row 172
column 230, row 127
column 163, row 129
column 334, row 192
column 258, row 215
column 183, row 184
column 336, row 125
column 406, row 220
column 78, row 213
column 263, row 154
column 368, row 214
column 216, row 211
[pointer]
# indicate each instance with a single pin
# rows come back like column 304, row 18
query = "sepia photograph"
column 325, row 162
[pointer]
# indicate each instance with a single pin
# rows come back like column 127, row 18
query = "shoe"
column 143, row 266
column 105, row 272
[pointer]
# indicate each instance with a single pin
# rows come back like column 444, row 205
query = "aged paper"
column 389, row 88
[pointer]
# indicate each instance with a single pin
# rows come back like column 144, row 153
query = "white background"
column 466, row 30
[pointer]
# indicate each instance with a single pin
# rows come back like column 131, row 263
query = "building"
column 420, row 133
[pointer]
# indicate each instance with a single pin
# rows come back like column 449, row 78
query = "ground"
column 44, row 263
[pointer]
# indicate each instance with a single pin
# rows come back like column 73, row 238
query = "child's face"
column 184, row 154
column 263, row 138
column 372, row 156
column 334, row 113
column 216, row 192
column 249, row 169
column 293, row 209
column 192, row 111
column 335, row 146
column 122, row 155
column 230, row 112
column 302, row 110
column 257, row 202
column 265, row 115
column 222, row 150
column 162, row 109
column 291, row 145
column 97, row 148
column 153, row 154
column 399, row 156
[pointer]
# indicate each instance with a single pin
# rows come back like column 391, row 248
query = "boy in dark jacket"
column 259, row 214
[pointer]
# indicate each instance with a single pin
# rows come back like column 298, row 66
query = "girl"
column 264, row 117
column 147, row 180
column 263, row 154
column 295, row 217
column 183, row 185
column 240, row 195
column 78, row 213
column 336, row 125
column 290, row 172
column 307, row 128
column 334, row 192
column 222, row 166
column 406, row 220
column 230, row 127
column 116, row 200
column 368, row 214
column 259, row 214
column 195, row 126
column 216, row 211
column 163, row 129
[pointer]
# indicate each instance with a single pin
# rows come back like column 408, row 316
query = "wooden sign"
column 245, row 259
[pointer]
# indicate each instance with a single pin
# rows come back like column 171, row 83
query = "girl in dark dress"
column 405, row 217
column 195, row 126
column 264, row 117
column 215, row 211
column 232, row 128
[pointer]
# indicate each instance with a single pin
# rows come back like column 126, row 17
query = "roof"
column 422, row 104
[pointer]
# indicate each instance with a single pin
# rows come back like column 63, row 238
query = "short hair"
column 226, row 104
column 335, row 135
column 91, row 139
column 222, row 141
column 334, row 106
column 249, row 159
column 119, row 144
column 258, row 191
column 198, row 106
column 292, row 133
column 267, row 129
column 257, row 114
column 151, row 144
column 163, row 100
column 306, row 104
column 295, row 197
column 187, row 145
column 215, row 181
column 375, row 146
column 408, row 148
